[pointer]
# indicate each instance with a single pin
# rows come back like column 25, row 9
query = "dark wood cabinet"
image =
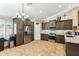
column 60, row 39
column 1, row 44
column 72, row 49
column 78, row 18
column 48, row 25
column 52, row 23
column 68, row 25
column 60, row 25
column 28, row 35
column 45, row 26
column 20, row 32
column 64, row 25
column 27, row 39
column 44, row 37
column 21, row 36
column 32, row 30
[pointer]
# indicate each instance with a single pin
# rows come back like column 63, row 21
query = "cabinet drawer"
column 44, row 37
column 60, row 39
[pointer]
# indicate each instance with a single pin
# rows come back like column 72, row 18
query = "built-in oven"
column 52, row 33
column 52, row 36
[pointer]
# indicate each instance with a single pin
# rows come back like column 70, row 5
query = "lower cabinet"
column 44, row 37
column 72, row 49
column 1, row 44
column 27, row 39
column 60, row 39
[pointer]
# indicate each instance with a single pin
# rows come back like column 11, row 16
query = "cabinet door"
column 64, row 25
column 57, row 25
column 44, row 37
column 47, row 25
column 78, row 18
column 60, row 25
column 52, row 23
column 20, row 33
column 27, row 39
column 72, row 49
column 43, row 26
column 60, row 39
column 32, row 30
column 68, row 25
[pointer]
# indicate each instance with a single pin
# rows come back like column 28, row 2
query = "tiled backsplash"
column 58, row 32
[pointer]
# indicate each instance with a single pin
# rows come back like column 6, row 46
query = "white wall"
column 37, row 30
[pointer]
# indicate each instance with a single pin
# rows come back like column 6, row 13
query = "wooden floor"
column 36, row 48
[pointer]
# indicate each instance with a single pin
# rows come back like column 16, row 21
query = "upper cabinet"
column 58, row 25
column 45, row 26
column 52, row 23
column 20, row 32
column 68, row 25
column 64, row 25
column 48, row 25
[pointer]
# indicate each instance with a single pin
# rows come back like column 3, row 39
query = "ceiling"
column 34, row 10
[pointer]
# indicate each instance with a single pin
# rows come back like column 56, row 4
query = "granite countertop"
column 74, row 39
column 58, row 32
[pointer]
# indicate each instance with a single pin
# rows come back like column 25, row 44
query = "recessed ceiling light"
column 59, row 6
column 69, row 6
column 41, row 11
column 46, row 16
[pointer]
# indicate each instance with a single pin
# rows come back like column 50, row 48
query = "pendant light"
column 23, row 16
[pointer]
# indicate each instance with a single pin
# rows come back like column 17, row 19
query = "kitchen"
column 61, row 28
column 65, row 32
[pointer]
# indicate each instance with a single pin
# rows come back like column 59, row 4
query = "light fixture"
column 23, row 16
column 69, row 6
column 59, row 6
column 41, row 11
column 46, row 16
column 17, row 14
column 27, row 16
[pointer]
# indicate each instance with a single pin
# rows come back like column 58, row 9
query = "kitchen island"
column 72, row 45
